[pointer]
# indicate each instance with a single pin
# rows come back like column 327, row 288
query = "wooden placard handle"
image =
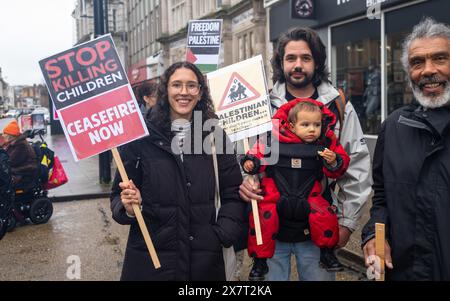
column 380, row 248
column 255, row 210
column 137, row 211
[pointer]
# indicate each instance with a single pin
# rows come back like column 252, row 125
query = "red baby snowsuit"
column 282, row 214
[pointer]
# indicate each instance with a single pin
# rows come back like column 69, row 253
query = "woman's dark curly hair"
column 318, row 51
column 161, row 118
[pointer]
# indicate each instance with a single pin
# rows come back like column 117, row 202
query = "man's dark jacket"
column 411, row 172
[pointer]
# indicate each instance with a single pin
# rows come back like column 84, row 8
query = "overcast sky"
column 31, row 30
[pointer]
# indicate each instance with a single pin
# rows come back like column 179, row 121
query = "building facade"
column 3, row 93
column 243, row 33
column 364, row 43
column 83, row 15
column 157, row 32
column 6, row 94
column 145, row 26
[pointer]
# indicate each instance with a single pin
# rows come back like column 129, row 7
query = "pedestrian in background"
column 146, row 96
column 24, row 165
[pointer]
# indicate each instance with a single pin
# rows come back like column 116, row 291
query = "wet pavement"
column 350, row 273
column 84, row 182
column 84, row 229
column 46, row 252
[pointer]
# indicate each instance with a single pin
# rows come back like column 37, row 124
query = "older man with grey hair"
column 411, row 167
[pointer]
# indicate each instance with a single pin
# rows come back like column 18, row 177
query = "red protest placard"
column 93, row 98
column 97, row 108
column 103, row 122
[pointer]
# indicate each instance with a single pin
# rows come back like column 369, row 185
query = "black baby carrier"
column 298, row 168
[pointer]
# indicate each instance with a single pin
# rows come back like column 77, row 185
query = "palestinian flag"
column 205, row 58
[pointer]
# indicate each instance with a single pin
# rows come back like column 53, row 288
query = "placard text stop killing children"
column 94, row 75
column 82, row 72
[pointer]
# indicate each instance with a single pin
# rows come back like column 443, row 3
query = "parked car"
column 13, row 113
column 26, row 111
column 44, row 111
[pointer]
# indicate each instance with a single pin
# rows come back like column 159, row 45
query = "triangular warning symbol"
column 238, row 90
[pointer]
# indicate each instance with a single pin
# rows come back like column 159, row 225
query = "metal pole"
column 104, row 159
column 99, row 21
column 106, row 14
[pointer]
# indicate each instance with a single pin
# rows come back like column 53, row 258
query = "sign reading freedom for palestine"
column 93, row 98
column 203, row 44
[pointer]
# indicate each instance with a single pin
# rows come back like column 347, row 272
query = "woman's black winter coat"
column 179, row 211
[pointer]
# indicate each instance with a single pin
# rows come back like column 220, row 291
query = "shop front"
column 364, row 42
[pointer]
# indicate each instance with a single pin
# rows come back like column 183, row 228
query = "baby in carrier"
column 293, row 209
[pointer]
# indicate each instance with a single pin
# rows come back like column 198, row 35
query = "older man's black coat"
column 411, row 173
column 178, row 208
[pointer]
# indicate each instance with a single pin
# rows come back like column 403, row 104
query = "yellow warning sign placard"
column 241, row 98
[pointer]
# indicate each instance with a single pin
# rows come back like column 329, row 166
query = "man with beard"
column 299, row 71
column 411, row 167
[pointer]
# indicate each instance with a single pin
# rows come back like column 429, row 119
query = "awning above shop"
column 147, row 69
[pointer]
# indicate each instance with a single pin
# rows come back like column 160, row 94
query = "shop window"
column 399, row 92
column 356, row 69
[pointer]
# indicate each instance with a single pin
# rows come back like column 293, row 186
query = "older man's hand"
column 369, row 252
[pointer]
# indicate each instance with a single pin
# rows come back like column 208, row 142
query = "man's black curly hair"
column 318, row 51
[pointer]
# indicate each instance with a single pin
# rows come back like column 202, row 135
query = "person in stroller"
column 24, row 164
column 28, row 177
column 6, row 191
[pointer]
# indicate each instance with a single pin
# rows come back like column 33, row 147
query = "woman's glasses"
column 191, row 87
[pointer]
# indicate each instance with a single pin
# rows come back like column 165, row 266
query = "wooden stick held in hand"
column 255, row 210
column 379, row 247
column 137, row 211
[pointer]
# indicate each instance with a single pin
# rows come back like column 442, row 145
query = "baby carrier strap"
column 299, row 150
column 302, row 156
column 337, row 106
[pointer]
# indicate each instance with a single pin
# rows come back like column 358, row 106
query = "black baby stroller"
column 6, row 192
column 31, row 202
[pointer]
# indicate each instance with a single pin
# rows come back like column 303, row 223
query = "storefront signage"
column 238, row 20
column 269, row 3
column 302, row 9
column 325, row 12
column 371, row 3
column 330, row 11
column 155, row 65
column 137, row 72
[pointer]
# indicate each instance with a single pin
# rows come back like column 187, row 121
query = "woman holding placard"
column 173, row 181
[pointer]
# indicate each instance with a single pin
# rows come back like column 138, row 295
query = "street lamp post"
column 100, row 28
